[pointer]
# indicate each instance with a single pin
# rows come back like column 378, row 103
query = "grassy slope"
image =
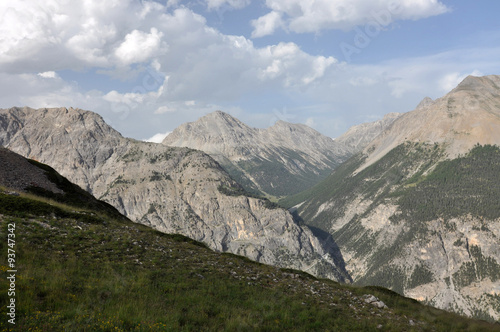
column 85, row 271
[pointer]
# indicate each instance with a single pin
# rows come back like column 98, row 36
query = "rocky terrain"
column 418, row 210
column 359, row 136
column 78, row 269
column 280, row 160
column 174, row 190
column 468, row 115
column 19, row 174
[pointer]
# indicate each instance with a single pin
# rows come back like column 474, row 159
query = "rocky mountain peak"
column 212, row 133
column 262, row 159
column 477, row 83
column 357, row 137
column 221, row 118
column 427, row 101
column 466, row 116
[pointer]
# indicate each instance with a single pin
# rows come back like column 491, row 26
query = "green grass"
column 103, row 274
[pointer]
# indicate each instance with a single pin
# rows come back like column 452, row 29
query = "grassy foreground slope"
column 84, row 271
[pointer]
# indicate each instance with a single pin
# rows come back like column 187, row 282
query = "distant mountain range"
column 418, row 211
column 278, row 161
column 174, row 190
column 409, row 202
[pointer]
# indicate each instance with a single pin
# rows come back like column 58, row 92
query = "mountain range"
column 174, row 190
column 80, row 265
column 417, row 210
column 409, row 202
column 277, row 161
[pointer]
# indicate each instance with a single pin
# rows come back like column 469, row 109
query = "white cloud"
column 122, row 38
column 237, row 4
column 54, row 35
column 158, row 138
column 139, row 46
column 292, row 66
column 164, row 109
column 48, row 74
column 267, row 24
column 315, row 15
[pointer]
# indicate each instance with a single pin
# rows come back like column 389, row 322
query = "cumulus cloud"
column 315, row 15
column 267, row 24
column 288, row 63
column 123, row 38
column 56, row 35
column 139, row 46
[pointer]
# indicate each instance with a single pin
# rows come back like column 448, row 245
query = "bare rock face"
column 281, row 160
column 418, row 211
column 175, row 190
column 426, row 102
column 359, row 136
column 466, row 116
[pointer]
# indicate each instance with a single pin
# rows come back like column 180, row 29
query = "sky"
column 149, row 66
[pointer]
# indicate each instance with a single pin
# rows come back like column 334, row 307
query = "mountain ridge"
column 279, row 160
column 458, row 125
column 174, row 190
column 416, row 211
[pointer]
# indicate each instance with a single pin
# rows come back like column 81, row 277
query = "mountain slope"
column 85, row 271
column 281, row 160
column 468, row 115
column 358, row 137
column 174, row 190
column 418, row 210
column 28, row 176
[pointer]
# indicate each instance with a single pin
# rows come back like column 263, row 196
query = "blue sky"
column 147, row 67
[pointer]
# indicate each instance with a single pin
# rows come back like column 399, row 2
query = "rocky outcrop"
column 174, row 190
